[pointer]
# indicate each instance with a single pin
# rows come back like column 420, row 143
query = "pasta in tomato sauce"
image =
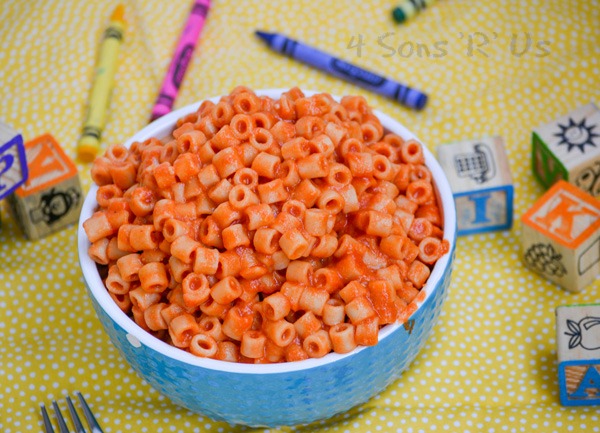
column 267, row 230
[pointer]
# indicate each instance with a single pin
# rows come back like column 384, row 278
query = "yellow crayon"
column 102, row 87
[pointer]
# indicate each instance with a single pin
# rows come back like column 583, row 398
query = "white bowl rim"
column 136, row 335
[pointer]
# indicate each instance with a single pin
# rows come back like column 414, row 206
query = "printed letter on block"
column 481, row 182
column 13, row 163
column 561, row 236
column 51, row 198
column 578, row 347
column 569, row 148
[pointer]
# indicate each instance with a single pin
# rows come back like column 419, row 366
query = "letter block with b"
column 578, row 351
column 51, row 198
column 568, row 148
column 481, row 182
column 561, row 236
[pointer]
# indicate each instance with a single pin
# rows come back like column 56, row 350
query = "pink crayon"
column 179, row 62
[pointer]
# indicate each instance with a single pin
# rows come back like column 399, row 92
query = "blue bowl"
column 271, row 395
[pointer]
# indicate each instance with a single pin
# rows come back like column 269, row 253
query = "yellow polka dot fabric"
column 489, row 68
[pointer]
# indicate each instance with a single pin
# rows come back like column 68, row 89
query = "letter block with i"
column 578, row 351
column 561, row 236
column 568, row 148
column 481, row 182
column 51, row 198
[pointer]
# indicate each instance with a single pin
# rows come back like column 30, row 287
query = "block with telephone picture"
column 481, row 182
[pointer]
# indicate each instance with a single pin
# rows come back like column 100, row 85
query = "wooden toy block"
column 569, row 148
column 51, row 198
column 13, row 163
column 561, row 236
column 481, row 182
column 578, row 351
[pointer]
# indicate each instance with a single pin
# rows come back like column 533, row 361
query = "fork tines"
column 62, row 425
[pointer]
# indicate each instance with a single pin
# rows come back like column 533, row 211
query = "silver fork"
column 62, row 425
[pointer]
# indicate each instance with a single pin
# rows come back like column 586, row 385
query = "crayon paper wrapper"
column 489, row 68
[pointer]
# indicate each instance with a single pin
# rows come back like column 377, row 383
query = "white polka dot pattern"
column 489, row 68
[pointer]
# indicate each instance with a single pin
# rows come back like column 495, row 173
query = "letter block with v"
column 51, row 197
column 561, row 236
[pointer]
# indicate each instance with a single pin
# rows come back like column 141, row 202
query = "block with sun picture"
column 568, row 148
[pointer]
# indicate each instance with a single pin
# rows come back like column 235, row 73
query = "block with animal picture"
column 578, row 351
column 480, row 178
column 568, row 148
column 51, row 198
column 13, row 163
column 561, row 236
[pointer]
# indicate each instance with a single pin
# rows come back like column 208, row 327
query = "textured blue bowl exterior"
column 290, row 398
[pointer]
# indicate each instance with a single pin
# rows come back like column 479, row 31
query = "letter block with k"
column 561, row 236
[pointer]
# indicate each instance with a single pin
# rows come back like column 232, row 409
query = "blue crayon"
column 339, row 68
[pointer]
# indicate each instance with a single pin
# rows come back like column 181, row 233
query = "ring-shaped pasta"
column 203, row 345
column 331, row 201
column 267, row 229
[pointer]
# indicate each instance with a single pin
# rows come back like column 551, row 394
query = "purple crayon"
column 339, row 68
column 181, row 58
